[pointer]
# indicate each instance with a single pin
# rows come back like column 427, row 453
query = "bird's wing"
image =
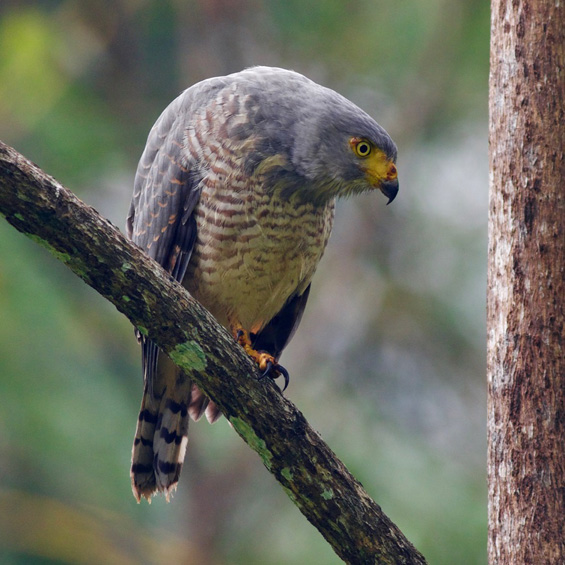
column 161, row 219
column 275, row 336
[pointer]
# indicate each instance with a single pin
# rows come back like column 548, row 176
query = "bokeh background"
column 388, row 363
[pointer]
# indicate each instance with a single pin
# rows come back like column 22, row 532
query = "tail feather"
column 171, row 437
column 142, row 473
column 170, row 400
column 162, row 432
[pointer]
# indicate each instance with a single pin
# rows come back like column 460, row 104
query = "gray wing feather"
column 161, row 219
column 166, row 191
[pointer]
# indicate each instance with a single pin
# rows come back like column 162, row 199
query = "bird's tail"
column 162, row 432
column 162, row 429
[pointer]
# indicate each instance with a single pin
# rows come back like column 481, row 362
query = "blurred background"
column 389, row 361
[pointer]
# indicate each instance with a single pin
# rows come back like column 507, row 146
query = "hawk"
column 234, row 196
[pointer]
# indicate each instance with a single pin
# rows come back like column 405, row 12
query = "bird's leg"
column 266, row 362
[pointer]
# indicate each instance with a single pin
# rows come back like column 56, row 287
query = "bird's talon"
column 273, row 370
column 267, row 363
column 267, row 370
column 285, row 374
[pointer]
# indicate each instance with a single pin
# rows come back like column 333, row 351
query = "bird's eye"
column 361, row 147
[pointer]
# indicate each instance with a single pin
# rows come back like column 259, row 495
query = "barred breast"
column 255, row 248
column 253, row 251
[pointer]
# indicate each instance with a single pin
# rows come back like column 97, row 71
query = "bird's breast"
column 254, row 250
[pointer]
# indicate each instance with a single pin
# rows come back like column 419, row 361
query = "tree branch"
column 310, row 473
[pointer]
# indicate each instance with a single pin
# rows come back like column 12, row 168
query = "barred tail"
column 170, row 400
column 162, row 432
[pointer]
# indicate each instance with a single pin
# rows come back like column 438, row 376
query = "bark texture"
column 310, row 473
column 526, row 283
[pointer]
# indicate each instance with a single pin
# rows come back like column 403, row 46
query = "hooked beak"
column 390, row 189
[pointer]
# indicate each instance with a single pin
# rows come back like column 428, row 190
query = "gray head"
column 334, row 148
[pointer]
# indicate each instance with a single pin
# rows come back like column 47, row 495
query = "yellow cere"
column 374, row 162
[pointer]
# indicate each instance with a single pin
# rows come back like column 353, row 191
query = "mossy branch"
column 313, row 477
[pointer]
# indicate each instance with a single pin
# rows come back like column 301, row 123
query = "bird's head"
column 312, row 143
column 343, row 151
column 377, row 166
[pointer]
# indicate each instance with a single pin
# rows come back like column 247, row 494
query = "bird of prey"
column 234, row 196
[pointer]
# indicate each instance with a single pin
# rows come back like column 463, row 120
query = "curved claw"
column 276, row 368
column 266, row 362
column 285, row 374
column 267, row 370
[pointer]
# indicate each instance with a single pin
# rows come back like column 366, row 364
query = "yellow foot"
column 266, row 362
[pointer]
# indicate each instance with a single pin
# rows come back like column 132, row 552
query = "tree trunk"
column 526, row 288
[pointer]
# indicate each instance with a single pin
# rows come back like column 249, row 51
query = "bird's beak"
column 390, row 189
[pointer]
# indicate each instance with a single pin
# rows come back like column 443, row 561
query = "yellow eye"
column 361, row 147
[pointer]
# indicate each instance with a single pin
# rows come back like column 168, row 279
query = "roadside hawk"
column 234, row 196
